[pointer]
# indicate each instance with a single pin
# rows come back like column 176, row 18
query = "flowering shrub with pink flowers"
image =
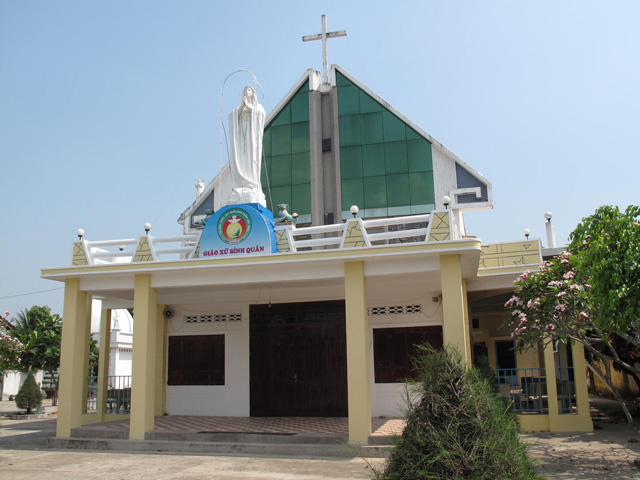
column 10, row 348
column 588, row 294
column 550, row 304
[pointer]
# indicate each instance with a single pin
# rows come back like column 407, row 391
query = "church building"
column 322, row 319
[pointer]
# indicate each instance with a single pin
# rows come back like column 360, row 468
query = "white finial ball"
column 147, row 227
column 526, row 232
column 80, row 232
column 446, row 200
column 354, row 209
column 548, row 216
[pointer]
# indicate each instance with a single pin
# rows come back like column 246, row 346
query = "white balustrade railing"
column 105, row 252
column 335, row 233
column 306, row 238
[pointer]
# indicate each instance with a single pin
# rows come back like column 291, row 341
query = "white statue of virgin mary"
column 246, row 127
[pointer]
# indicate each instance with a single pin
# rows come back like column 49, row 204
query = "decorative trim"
column 143, row 252
column 439, row 227
column 79, row 254
column 353, row 235
column 511, row 254
column 282, row 240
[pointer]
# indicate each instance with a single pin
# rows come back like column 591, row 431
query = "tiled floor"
column 289, row 425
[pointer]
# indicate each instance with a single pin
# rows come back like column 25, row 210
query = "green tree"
column 29, row 396
column 40, row 332
column 10, row 348
column 589, row 294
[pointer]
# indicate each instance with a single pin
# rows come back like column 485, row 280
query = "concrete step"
column 219, row 448
column 242, row 437
column 97, row 433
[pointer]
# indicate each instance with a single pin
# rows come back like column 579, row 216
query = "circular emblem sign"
column 234, row 226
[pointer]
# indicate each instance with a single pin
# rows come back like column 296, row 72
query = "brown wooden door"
column 298, row 359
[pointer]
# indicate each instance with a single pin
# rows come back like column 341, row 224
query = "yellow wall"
column 623, row 382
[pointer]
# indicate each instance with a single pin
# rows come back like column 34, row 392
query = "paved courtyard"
column 608, row 453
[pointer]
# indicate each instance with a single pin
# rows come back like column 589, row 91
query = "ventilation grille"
column 215, row 318
column 394, row 309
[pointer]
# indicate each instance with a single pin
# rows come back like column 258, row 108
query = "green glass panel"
column 394, row 211
column 300, row 137
column 351, row 162
column 281, row 140
column 352, row 193
column 413, row 135
column 373, row 160
column 280, row 195
column 371, row 128
column 395, row 155
column 348, row 100
column 300, row 168
column 300, row 106
column 375, row 192
column 368, row 104
column 419, row 155
column 422, row 190
column 350, row 131
column 266, row 142
column 280, row 171
column 301, row 199
column 341, row 80
column 398, row 190
column 284, row 116
column 394, row 128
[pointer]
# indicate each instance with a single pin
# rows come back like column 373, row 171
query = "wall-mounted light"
column 446, row 201
column 354, row 210
column 147, row 227
column 80, row 233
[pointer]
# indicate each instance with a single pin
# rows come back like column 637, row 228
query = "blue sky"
column 109, row 111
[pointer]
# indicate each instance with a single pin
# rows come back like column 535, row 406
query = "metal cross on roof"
column 323, row 36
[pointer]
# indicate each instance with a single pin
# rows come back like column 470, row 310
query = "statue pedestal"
column 245, row 229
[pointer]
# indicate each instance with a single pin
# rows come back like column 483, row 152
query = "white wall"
column 14, row 380
column 232, row 399
column 387, row 399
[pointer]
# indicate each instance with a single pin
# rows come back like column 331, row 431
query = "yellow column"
column 73, row 360
column 582, row 421
column 358, row 369
column 160, row 363
column 552, row 390
column 454, row 306
column 145, row 309
column 103, row 361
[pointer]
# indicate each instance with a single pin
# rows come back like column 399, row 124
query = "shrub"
column 29, row 397
column 459, row 428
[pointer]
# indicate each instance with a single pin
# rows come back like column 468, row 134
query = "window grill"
column 213, row 318
column 394, row 309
